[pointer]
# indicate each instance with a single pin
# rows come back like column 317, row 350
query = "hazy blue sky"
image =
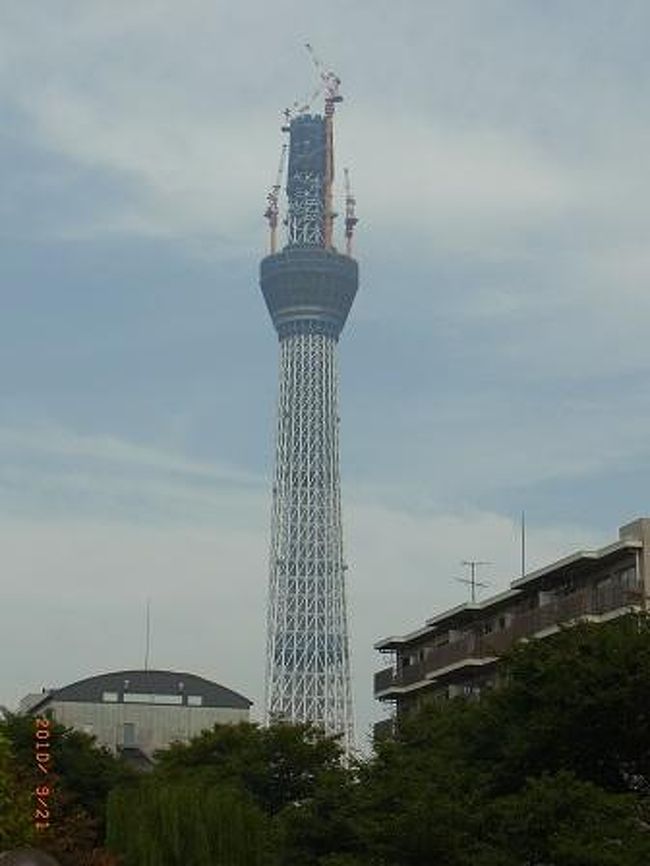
column 496, row 358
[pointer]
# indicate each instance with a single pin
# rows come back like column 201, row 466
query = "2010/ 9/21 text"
column 43, row 756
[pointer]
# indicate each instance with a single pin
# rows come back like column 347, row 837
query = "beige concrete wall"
column 155, row 726
column 639, row 530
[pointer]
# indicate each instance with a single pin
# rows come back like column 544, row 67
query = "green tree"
column 82, row 775
column 549, row 769
column 16, row 801
column 277, row 766
column 577, row 701
column 171, row 823
column 86, row 772
column 287, row 782
column 424, row 801
column 557, row 819
column 419, row 801
column 325, row 827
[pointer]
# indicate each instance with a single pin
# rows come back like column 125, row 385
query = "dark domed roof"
column 149, row 683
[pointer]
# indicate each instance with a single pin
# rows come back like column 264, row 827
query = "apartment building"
column 457, row 652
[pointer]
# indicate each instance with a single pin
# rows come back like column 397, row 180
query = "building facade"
column 456, row 653
column 140, row 711
column 308, row 288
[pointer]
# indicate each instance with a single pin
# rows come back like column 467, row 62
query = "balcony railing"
column 384, row 730
column 523, row 624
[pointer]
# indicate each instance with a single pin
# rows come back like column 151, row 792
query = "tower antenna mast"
column 331, row 84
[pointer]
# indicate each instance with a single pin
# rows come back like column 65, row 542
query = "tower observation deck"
column 309, row 288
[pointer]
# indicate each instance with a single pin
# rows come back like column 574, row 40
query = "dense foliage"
column 82, row 777
column 238, row 794
column 180, row 822
column 15, row 802
column 551, row 769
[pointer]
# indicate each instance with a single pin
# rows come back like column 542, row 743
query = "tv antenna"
column 472, row 581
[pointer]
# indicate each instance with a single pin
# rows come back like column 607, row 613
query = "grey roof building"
column 140, row 711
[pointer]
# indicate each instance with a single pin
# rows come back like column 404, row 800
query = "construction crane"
column 302, row 108
column 330, row 83
column 272, row 199
column 350, row 213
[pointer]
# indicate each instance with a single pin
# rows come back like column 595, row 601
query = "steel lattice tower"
column 309, row 288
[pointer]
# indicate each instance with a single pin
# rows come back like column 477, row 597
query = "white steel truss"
column 308, row 664
column 305, row 219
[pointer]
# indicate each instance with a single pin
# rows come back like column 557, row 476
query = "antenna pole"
column 472, row 582
column 523, row 544
column 147, row 635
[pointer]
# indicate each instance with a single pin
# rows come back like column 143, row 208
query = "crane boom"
column 272, row 200
column 331, row 84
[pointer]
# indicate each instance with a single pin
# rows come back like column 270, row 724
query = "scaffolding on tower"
column 350, row 213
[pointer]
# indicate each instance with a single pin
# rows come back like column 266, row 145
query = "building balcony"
column 481, row 647
column 384, row 730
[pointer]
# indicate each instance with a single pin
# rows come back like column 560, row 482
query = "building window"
column 627, row 578
column 567, row 587
column 617, row 589
column 141, row 698
column 167, row 699
column 110, row 697
column 194, row 700
column 530, row 602
column 128, row 735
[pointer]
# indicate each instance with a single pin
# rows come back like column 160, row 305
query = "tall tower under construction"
column 309, row 288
